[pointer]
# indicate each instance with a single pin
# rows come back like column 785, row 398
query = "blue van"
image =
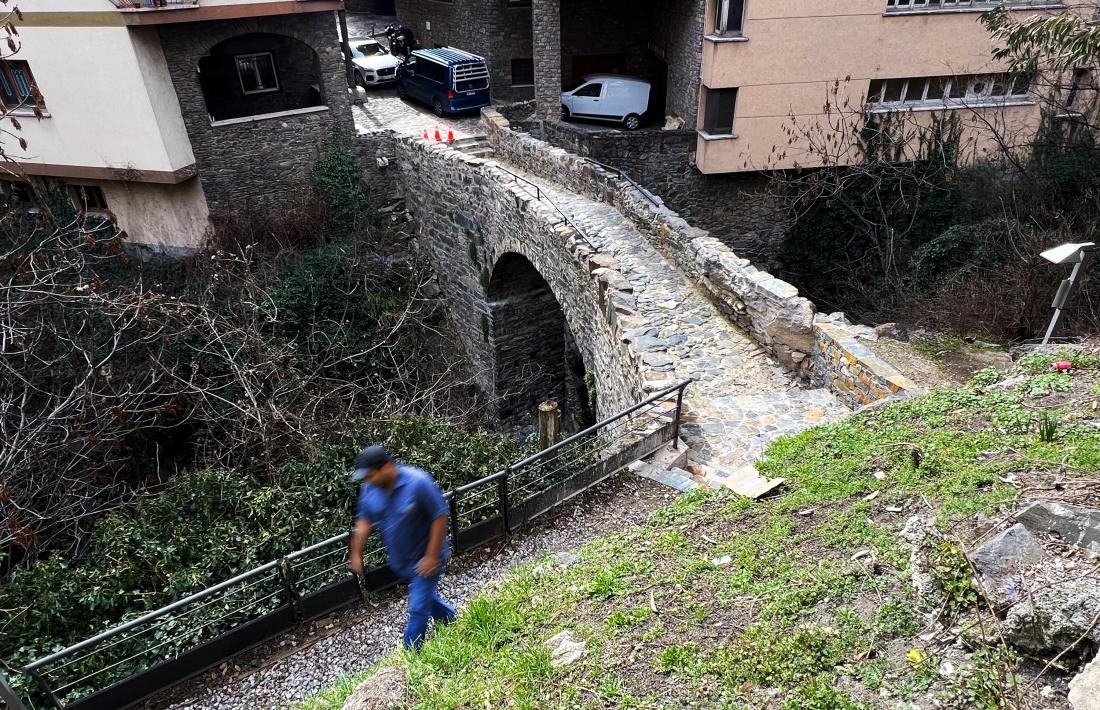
column 447, row 79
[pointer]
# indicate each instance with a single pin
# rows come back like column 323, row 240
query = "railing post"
column 502, row 493
column 453, row 525
column 676, row 421
column 46, row 687
column 7, row 694
column 287, row 577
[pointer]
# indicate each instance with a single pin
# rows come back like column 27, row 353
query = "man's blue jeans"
column 424, row 603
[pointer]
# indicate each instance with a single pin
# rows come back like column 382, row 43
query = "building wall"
column 676, row 31
column 489, row 28
column 108, row 102
column 262, row 164
column 792, row 59
column 172, row 218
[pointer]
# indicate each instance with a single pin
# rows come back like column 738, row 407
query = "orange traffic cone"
column 450, row 136
column 437, row 134
column 425, row 134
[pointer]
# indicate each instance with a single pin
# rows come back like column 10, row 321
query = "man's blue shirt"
column 404, row 517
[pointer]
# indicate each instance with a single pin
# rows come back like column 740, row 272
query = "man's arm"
column 429, row 566
column 358, row 538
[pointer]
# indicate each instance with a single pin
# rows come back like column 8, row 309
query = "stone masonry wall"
column 453, row 196
column 258, row 165
column 382, row 182
column 734, row 208
column 850, row 369
column 546, row 41
column 489, row 28
column 769, row 309
column 677, row 29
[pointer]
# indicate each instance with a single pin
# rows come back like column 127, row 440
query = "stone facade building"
column 215, row 107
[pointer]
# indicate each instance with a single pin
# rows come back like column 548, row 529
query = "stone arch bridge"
column 555, row 292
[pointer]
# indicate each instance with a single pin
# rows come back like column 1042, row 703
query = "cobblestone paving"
column 741, row 399
column 384, row 110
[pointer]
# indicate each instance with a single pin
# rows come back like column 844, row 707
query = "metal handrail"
column 539, row 196
column 35, row 668
column 35, row 665
column 645, row 193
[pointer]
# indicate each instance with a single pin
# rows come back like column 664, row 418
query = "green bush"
column 210, row 525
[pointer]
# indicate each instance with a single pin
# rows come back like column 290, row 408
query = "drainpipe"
column 345, row 47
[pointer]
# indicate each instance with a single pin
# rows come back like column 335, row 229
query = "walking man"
column 407, row 507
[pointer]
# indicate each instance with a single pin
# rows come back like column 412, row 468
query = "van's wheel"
column 437, row 106
column 564, row 112
column 401, row 91
column 632, row 122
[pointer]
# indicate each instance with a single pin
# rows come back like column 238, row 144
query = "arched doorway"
column 259, row 73
column 536, row 355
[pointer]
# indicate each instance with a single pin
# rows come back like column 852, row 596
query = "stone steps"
column 475, row 146
column 666, row 466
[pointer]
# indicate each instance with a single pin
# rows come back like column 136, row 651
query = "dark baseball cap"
column 369, row 459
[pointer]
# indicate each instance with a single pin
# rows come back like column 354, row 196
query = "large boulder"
column 1084, row 689
column 1002, row 562
column 387, row 689
column 1055, row 616
column 1074, row 524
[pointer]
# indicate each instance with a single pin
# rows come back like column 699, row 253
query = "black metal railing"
column 152, row 652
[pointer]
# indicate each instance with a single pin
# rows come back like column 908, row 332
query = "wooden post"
column 549, row 424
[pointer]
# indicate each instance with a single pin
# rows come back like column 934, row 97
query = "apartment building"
column 765, row 61
column 168, row 113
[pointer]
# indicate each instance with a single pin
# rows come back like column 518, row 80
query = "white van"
column 608, row 97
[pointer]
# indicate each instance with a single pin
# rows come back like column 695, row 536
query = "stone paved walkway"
column 384, row 110
column 741, row 399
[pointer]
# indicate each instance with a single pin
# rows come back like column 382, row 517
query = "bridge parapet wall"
column 768, row 308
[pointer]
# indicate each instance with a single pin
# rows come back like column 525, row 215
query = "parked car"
column 608, row 97
column 447, row 79
column 373, row 62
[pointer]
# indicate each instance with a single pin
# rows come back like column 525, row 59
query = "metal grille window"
column 472, row 77
column 934, row 5
column 257, row 73
column 729, row 16
column 947, row 91
column 523, row 72
column 721, row 104
column 89, row 198
column 17, row 87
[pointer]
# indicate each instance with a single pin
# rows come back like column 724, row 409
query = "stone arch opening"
column 260, row 73
column 536, row 354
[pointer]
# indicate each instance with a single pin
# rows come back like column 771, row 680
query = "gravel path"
column 302, row 664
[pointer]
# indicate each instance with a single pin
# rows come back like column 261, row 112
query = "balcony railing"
column 947, row 5
column 153, row 4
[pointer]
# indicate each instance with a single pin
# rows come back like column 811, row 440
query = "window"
column 17, row 86
column 943, row 5
column 523, row 72
column 1081, row 82
column 257, row 73
column 729, row 16
column 590, row 90
column 718, row 115
column 89, row 198
column 947, row 91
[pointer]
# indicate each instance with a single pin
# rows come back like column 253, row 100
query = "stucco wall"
column 172, row 218
column 261, row 164
column 796, row 53
column 109, row 105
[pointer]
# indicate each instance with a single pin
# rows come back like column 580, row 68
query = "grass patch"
column 793, row 602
